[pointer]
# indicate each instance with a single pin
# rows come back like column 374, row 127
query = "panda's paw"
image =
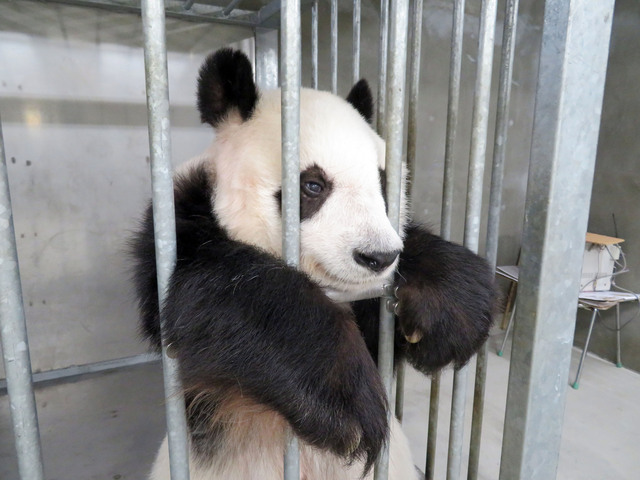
column 445, row 300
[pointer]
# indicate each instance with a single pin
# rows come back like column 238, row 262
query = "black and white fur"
column 260, row 344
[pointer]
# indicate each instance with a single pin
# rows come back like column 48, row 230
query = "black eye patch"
column 315, row 188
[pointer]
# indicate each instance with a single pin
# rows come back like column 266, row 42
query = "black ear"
column 362, row 100
column 226, row 82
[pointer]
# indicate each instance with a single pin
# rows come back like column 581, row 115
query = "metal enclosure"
column 569, row 93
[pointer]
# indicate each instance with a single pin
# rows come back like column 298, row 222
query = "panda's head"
column 347, row 242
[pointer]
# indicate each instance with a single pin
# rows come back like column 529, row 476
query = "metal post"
column 155, row 61
column 573, row 61
column 382, row 66
column 455, row 69
column 314, row 45
column 618, row 348
column 480, row 121
column 290, row 62
column 394, row 126
column 493, row 225
column 576, row 383
column 415, row 28
column 356, row 40
column 266, row 47
column 15, row 344
column 334, row 46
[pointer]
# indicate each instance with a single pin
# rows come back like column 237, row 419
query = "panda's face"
column 347, row 243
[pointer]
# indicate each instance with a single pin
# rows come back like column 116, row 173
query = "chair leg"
column 618, row 347
column 576, row 384
column 506, row 333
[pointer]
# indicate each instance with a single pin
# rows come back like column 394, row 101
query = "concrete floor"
column 109, row 426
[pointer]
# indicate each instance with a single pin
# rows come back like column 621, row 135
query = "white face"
column 339, row 230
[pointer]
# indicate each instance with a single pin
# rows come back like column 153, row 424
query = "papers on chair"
column 608, row 296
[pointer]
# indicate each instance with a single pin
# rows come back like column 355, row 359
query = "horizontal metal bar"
column 76, row 372
column 196, row 12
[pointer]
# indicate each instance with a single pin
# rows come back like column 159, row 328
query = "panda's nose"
column 375, row 261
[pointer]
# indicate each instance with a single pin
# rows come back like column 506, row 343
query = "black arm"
column 446, row 296
column 240, row 318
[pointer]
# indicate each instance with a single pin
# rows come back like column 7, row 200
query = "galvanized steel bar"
column 571, row 78
column 400, row 373
column 493, row 225
column 157, row 85
column 290, row 56
column 382, row 67
column 455, row 69
column 415, row 28
column 266, row 49
column 480, row 122
column 230, row 7
column 314, row 45
column 15, row 343
column 78, row 371
column 334, row 46
column 394, row 138
column 356, row 41
column 432, row 429
column 414, row 83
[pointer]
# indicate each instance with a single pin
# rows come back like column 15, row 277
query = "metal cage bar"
column 493, row 224
column 15, row 344
column 382, row 66
column 157, row 86
column 394, row 138
column 480, row 121
column 314, row 45
column 334, row 46
column 290, row 57
column 415, row 31
column 573, row 62
column 453, row 106
column 356, row 40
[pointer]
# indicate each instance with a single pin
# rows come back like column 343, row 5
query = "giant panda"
column 264, row 347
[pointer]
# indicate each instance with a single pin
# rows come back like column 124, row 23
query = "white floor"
column 601, row 436
column 108, row 427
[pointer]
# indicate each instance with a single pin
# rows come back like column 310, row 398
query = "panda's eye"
column 312, row 189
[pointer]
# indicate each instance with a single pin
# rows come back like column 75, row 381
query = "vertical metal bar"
column 415, row 27
column 334, row 46
column 157, row 85
column 480, row 121
column 414, row 83
column 290, row 62
column 400, row 372
column 356, row 40
column 266, row 47
column 382, row 67
column 493, row 225
column 573, row 62
column 618, row 348
column 576, row 383
column 15, row 344
column 434, row 404
column 394, row 139
column 314, row 45
column 455, row 69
